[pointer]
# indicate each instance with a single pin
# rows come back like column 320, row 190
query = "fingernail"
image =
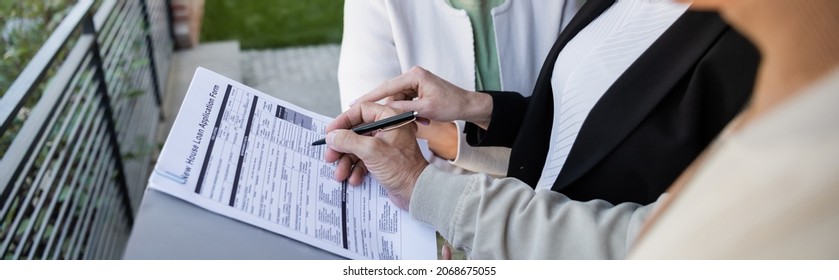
column 423, row 121
column 330, row 138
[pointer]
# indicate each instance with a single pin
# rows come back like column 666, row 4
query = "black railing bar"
column 112, row 229
column 114, row 63
column 90, row 216
column 142, row 169
column 137, row 166
column 111, row 32
column 107, row 32
column 124, row 50
column 58, row 225
column 93, row 179
column 171, row 20
column 161, row 26
column 109, row 121
column 18, row 158
column 159, row 48
column 109, row 232
column 108, row 229
column 158, row 9
column 102, row 13
column 163, row 51
column 45, row 180
column 115, row 236
column 90, row 171
column 151, row 110
column 128, row 106
column 161, row 18
column 80, row 231
column 113, row 56
column 97, row 227
column 128, row 144
column 132, row 75
column 123, row 232
column 162, row 32
column 152, row 141
column 34, row 128
column 117, row 86
column 136, row 79
column 121, row 18
column 37, row 67
column 150, row 52
column 162, row 43
column 121, row 105
column 79, row 131
column 90, row 229
column 76, row 185
column 122, row 108
column 60, row 109
column 119, row 242
column 163, row 69
column 127, row 21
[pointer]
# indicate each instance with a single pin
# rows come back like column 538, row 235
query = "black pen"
column 379, row 125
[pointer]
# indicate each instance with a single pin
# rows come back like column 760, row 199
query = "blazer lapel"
column 527, row 166
column 631, row 98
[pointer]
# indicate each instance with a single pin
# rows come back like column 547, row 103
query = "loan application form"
column 246, row 155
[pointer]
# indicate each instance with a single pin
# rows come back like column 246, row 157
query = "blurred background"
column 273, row 24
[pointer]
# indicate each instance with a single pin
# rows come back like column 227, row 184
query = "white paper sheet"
column 244, row 154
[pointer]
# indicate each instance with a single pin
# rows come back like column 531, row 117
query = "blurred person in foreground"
column 768, row 187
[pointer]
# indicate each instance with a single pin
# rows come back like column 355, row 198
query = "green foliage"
column 271, row 24
column 24, row 26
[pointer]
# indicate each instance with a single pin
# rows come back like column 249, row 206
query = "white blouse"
column 592, row 61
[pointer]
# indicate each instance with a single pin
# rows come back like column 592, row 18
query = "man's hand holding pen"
column 393, row 157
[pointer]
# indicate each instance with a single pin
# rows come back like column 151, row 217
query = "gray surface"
column 170, row 228
column 304, row 76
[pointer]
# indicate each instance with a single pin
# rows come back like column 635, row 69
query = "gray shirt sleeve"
column 492, row 218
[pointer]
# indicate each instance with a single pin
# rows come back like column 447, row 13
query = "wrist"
column 442, row 139
column 411, row 183
column 479, row 109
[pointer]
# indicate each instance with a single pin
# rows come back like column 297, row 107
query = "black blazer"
column 648, row 126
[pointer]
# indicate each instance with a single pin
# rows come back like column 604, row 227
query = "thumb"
column 346, row 141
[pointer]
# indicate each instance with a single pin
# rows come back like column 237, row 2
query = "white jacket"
column 384, row 38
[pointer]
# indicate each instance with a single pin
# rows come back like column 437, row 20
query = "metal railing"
column 83, row 116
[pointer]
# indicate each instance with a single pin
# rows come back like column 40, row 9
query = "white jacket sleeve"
column 505, row 219
column 368, row 54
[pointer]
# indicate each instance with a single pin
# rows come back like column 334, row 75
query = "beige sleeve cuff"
column 489, row 160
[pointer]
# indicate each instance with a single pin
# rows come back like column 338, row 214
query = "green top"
column 487, row 75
